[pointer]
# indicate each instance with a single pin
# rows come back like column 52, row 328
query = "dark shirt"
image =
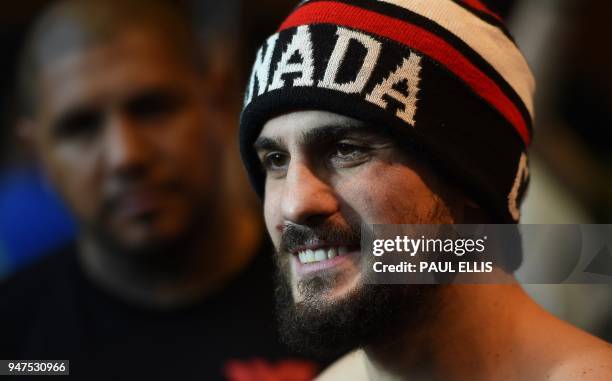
column 52, row 311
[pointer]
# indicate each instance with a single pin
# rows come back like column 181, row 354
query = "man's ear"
column 223, row 85
column 26, row 135
column 221, row 73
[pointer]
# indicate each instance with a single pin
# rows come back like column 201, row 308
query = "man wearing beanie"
column 399, row 112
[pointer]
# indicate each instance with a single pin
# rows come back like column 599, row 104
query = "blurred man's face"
column 125, row 135
column 326, row 174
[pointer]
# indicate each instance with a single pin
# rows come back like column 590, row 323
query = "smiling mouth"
column 322, row 254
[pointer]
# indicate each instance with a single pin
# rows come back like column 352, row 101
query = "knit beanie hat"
column 445, row 73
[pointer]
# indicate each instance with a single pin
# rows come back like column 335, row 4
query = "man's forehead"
column 130, row 62
column 131, row 45
column 295, row 124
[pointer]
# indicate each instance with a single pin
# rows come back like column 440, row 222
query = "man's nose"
column 127, row 150
column 306, row 197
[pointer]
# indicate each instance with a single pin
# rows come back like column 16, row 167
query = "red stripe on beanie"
column 329, row 12
column 479, row 6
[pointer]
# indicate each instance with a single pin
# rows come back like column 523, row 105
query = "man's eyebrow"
column 264, row 143
column 331, row 133
column 315, row 136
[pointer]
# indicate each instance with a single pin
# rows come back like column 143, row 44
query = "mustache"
column 296, row 236
column 117, row 190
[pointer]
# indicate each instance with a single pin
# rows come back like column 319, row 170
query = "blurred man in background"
column 164, row 281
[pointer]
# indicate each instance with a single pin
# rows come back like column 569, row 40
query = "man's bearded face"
column 326, row 175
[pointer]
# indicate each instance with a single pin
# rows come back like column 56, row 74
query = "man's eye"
column 78, row 125
column 275, row 161
column 344, row 149
column 347, row 153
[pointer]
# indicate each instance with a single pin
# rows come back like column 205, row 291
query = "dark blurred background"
column 566, row 44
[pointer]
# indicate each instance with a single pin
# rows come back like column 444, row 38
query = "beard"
column 158, row 251
column 326, row 328
column 371, row 313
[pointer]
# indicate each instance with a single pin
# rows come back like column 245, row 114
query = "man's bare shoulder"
column 591, row 364
column 552, row 349
column 350, row 367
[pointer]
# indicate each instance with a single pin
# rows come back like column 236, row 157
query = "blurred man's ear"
column 25, row 136
column 223, row 81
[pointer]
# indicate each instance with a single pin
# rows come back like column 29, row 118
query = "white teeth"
column 309, row 256
column 306, row 256
column 331, row 253
column 320, row 255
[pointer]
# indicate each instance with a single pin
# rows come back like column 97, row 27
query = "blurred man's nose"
column 307, row 199
column 127, row 151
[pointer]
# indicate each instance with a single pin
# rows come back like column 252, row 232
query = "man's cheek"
column 366, row 201
column 75, row 193
column 389, row 203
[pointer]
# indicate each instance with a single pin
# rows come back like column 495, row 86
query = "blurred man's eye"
column 275, row 163
column 78, row 124
column 154, row 106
